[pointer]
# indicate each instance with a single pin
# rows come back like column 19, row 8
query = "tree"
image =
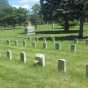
column 48, row 9
column 58, row 10
column 4, row 5
column 35, row 15
column 11, row 15
column 67, row 10
column 83, row 10
column 21, row 15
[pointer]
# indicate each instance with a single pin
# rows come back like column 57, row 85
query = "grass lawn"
column 15, row 74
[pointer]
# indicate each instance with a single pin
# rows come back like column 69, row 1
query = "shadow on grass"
column 71, row 37
column 59, row 34
column 73, row 34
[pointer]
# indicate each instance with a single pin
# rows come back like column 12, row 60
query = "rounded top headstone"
column 40, row 55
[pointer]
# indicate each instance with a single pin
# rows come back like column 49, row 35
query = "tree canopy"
column 35, row 15
column 4, row 4
column 11, row 15
column 65, row 10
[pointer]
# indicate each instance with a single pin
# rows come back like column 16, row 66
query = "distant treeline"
column 11, row 16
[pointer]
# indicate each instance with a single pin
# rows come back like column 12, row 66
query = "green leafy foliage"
column 10, row 15
column 35, row 15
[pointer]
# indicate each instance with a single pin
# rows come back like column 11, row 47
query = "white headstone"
column 73, row 48
column 45, row 44
column 9, row 54
column 8, row 42
column 23, row 57
column 57, row 46
column 16, row 42
column 34, row 44
column 40, row 59
column 24, row 43
column 62, row 65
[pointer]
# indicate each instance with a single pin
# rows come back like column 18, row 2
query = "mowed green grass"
column 15, row 74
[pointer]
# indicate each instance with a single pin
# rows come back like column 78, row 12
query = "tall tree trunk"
column 66, row 24
column 81, row 27
column 81, row 24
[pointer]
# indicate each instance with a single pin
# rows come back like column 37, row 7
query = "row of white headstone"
column 8, row 42
column 40, row 60
column 57, row 45
column 75, row 41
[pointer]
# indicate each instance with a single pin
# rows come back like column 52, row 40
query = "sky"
column 23, row 3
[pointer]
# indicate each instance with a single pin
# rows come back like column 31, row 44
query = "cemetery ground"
column 16, row 74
